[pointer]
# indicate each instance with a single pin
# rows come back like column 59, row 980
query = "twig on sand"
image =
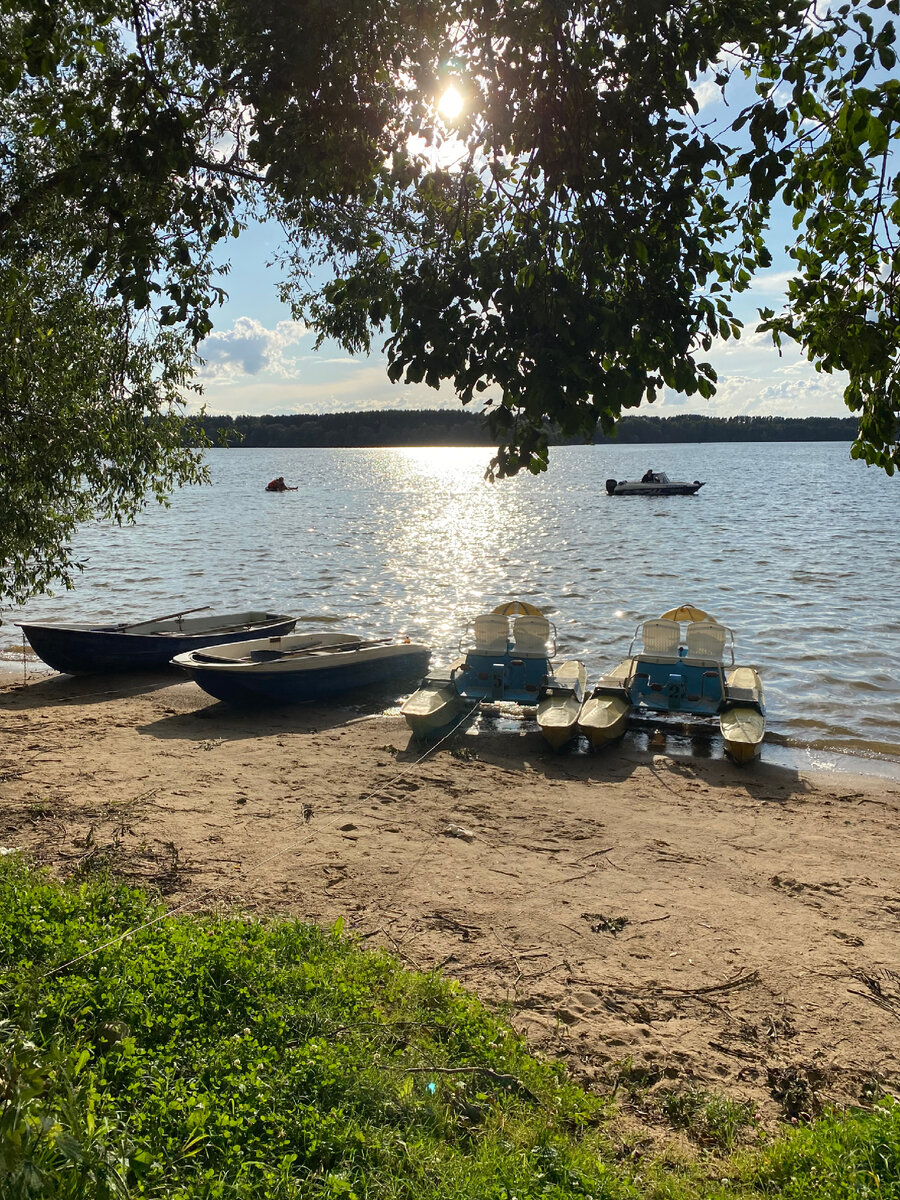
column 506, row 948
column 583, row 875
column 594, row 853
column 728, row 985
column 397, row 949
column 673, row 993
column 879, row 1000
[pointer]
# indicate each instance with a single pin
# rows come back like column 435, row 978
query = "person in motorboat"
column 278, row 485
column 647, row 477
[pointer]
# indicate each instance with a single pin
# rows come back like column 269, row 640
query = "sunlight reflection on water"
column 792, row 545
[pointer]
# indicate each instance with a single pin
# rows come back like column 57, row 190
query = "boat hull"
column 604, row 719
column 559, row 704
column 434, row 708
column 604, row 714
column 86, row 649
column 266, row 671
column 743, row 725
column 670, row 489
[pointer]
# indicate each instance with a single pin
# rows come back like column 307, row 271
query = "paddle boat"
column 677, row 675
column 652, row 483
column 84, row 648
column 506, row 658
column 302, row 667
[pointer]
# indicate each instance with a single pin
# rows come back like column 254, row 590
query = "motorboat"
column 505, row 659
column 652, row 483
column 303, row 667
column 680, row 672
column 88, row 647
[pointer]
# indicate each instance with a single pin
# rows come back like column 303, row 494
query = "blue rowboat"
column 80, row 649
column 302, row 667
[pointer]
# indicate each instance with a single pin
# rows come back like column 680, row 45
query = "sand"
column 653, row 920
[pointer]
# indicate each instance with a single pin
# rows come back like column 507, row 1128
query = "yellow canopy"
column 517, row 608
column 687, row 612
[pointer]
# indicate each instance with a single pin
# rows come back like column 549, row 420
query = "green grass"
column 710, row 1119
column 214, row 1057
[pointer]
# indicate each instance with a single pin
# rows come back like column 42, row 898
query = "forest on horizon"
column 448, row 427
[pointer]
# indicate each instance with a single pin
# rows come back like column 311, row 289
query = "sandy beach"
column 652, row 920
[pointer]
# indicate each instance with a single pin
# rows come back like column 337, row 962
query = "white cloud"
column 249, row 348
column 772, row 283
column 365, row 388
column 706, row 93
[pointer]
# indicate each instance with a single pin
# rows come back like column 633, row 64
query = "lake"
column 792, row 545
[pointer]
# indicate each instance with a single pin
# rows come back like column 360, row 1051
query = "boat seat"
column 491, row 634
column 530, row 635
column 661, row 637
column 705, row 639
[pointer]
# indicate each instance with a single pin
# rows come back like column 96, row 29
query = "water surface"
column 793, row 545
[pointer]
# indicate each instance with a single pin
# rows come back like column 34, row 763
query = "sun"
column 451, row 103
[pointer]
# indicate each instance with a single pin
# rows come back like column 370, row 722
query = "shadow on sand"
column 86, row 689
column 519, row 747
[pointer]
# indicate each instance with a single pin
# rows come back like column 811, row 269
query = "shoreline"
column 687, row 921
column 777, row 750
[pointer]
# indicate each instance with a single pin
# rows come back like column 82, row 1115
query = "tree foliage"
column 566, row 249
column 582, row 248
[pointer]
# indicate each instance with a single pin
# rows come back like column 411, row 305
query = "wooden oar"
column 168, row 617
column 316, row 647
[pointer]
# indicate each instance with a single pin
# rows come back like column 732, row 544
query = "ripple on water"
column 415, row 540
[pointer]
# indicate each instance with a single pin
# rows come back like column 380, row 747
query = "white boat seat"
column 491, row 634
column 530, row 635
column 705, row 639
column 661, row 637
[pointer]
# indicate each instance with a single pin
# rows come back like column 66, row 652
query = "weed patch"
column 710, row 1119
column 202, row 1058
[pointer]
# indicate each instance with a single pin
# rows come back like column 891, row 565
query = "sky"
column 258, row 360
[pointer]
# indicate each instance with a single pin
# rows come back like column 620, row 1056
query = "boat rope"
column 256, row 866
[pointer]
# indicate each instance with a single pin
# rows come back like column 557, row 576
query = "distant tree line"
column 451, row 427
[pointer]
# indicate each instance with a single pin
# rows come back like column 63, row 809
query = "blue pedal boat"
column 506, row 658
column 86, row 648
column 680, row 675
column 302, row 667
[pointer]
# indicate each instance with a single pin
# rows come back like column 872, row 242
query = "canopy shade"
column 517, row 608
column 686, row 612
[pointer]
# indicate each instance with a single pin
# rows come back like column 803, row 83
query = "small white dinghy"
column 303, row 666
column 559, row 703
column 604, row 714
column 743, row 721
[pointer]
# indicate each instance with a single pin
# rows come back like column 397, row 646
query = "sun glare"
column 450, row 104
